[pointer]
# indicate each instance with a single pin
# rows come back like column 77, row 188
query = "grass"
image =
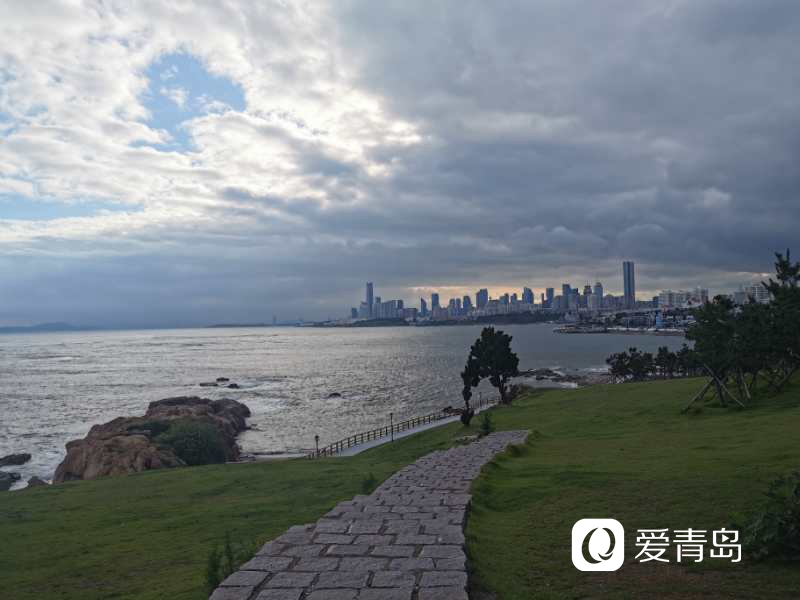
column 625, row 452
column 148, row 536
column 618, row 451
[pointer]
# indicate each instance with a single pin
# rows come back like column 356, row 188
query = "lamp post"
column 391, row 424
column 316, row 441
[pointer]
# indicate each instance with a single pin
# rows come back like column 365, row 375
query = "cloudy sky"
column 189, row 163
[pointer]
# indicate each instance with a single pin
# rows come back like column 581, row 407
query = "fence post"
column 391, row 423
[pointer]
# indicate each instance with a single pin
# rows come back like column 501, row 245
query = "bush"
column 194, row 442
column 487, row 426
column 221, row 564
column 368, row 484
column 774, row 531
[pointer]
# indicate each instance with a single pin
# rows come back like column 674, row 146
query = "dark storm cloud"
column 551, row 140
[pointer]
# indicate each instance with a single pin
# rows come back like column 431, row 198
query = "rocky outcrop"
column 7, row 480
column 15, row 459
column 134, row 444
column 36, row 482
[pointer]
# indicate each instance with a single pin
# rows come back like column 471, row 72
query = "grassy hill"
column 623, row 452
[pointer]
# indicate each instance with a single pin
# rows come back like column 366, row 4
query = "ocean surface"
column 55, row 386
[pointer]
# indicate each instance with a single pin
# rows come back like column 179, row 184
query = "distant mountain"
column 45, row 328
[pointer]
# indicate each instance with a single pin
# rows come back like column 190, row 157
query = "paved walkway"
column 405, row 541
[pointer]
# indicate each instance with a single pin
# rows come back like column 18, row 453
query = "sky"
column 187, row 163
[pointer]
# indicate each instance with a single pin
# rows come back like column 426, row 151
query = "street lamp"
column 316, row 441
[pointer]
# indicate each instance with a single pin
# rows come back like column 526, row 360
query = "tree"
column 470, row 377
column 713, row 336
column 784, row 329
column 491, row 357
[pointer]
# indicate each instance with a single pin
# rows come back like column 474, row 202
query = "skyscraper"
column 550, row 293
column 466, row 303
column 423, row 307
column 370, row 298
column 629, row 282
column 527, row 295
column 434, row 301
column 482, row 298
column 598, row 291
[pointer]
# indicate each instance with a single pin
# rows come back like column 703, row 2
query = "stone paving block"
column 444, row 579
column 333, row 595
column 386, row 594
column 363, row 563
column 331, row 526
column 244, row 578
column 304, row 551
column 280, row 594
column 342, row 579
column 347, row 550
column 365, row 527
column 231, row 593
column 451, row 564
column 375, row 540
column 267, row 563
column 393, row 551
column 317, row 564
column 411, row 564
column 441, row 551
column 442, row 593
column 333, row 538
column 271, row 549
column 415, row 539
column 291, row 579
column 393, row 579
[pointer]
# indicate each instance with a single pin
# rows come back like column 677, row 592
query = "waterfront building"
column 598, row 291
column 629, row 283
column 482, row 298
column 527, row 295
column 354, row 313
column 550, row 294
column 423, row 307
column 434, row 301
column 370, row 301
column 466, row 303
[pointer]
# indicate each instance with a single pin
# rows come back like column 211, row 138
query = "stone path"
column 405, row 541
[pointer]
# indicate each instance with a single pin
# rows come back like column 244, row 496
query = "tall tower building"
column 482, row 298
column 527, row 295
column 434, row 301
column 629, row 282
column 370, row 297
column 550, row 293
column 423, row 307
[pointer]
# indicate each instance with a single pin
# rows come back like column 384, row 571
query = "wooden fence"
column 389, row 430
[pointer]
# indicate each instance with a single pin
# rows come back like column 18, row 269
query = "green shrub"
column 486, row 426
column 774, row 531
column 368, row 484
column 220, row 565
column 194, row 442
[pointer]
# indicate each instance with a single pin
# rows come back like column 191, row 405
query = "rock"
column 209, row 384
column 7, row 480
column 36, row 482
column 222, row 380
column 130, row 444
column 14, row 459
column 334, row 395
column 233, row 386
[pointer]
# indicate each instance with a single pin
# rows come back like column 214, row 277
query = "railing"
column 389, row 430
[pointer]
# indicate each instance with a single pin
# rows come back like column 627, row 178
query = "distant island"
column 46, row 328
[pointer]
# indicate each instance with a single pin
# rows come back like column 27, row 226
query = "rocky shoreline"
column 578, row 379
column 174, row 432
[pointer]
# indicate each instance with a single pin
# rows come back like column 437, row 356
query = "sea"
column 297, row 381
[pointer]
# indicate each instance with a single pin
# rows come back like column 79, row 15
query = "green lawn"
column 617, row 451
column 625, row 452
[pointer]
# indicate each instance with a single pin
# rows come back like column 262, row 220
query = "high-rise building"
column 527, row 295
column 550, row 293
column 598, row 291
column 629, row 283
column 466, row 303
column 370, row 299
column 353, row 313
column 434, row 301
column 566, row 290
column 504, row 299
column 423, row 308
column 482, row 298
